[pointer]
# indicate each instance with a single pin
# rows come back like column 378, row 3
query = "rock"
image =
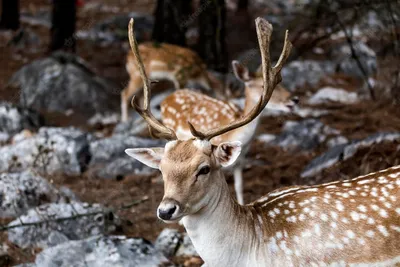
column 186, row 248
column 26, row 40
column 344, row 152
column 56, row 228
column 299, row 73
column 64, row 82
column 51, row 151
column 345, row 62
column 14, row 119
column 20, row 192
column 109, row 159
column 115, row 29
column 329, row 94
column 309, row 112
column 337, row 141
column 38, row 17
column 104, row 119
column 173, row 243
column 304, row 135
column 103, row 251
column 266, row 138
column 23, row 135
column 168, row 242
column 4, row 137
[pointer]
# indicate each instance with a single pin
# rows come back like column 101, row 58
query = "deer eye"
column 203, row 171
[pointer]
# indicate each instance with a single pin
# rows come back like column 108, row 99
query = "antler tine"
column 161, row 130
column 271, row 77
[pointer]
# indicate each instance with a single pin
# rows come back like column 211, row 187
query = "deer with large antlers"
column 345, row 223
column 206, row 112
column 163, row 61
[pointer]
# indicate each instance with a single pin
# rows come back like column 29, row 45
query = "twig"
column 355, row 56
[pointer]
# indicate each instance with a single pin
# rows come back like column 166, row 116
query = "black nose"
column 167, row 213
column 295, row 100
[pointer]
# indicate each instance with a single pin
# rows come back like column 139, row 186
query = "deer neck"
column 224, row 233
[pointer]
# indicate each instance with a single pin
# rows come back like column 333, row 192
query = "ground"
column 279, row 168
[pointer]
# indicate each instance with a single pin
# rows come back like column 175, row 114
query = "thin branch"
column 355, row 57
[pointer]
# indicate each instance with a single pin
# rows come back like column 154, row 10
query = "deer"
column 207, row 112
column 163, row 61
column 354, row 222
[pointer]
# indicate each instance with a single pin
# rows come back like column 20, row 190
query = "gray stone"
column 173, row 243
column 51, row 151
column 109, row 159
column 304, row 135
column 64, row 82
column 14, row 119
column 345, row 62
column 103, row 251
column 26, row 40
column 329, row 94
column 55, row 223
column 114, row 29
column 186, row 248
column 299, row 73
column 22, row 191
column 104, row 119
column 344, row 152
column 168, row 242
column 41, row 17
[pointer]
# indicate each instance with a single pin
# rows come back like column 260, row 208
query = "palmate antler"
column 271, row 77
column 156, row 128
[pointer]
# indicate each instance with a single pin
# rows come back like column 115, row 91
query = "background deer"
column 353, row 222
column 165, row 62
column 206, row 113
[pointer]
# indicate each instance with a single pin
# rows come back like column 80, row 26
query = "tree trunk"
column 9, row 14
column 212, row 45
column 170, row 25
column 63, row 25
column 242, row 5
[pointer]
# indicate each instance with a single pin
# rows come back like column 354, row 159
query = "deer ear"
column 148, row 156
column 226, row 153
column 241, row 72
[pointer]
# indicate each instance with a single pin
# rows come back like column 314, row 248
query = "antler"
column 161, row 131
column 271, row 77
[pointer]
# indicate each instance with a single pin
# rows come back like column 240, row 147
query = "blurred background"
column 69, row 194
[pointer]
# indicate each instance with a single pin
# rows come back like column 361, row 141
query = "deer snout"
column 168, row 210
column 293, row 102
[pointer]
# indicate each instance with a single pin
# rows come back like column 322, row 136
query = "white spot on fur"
column 383, row 230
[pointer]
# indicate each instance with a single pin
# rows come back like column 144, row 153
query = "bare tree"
column 212, row 31
column 63, row 25
column 170, row 26
column 9, row 14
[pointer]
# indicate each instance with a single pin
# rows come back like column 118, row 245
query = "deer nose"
column 295, row 100
column 166, row 212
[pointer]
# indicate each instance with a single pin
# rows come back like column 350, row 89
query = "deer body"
column 206, row 113
column 344, row 223
column 304, row 226
column 164, row 62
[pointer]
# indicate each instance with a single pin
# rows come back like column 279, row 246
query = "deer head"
column 191, row 169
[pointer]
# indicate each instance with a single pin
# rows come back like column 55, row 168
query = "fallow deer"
column 345, row 223
column 206, row 112
column 165, row 62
